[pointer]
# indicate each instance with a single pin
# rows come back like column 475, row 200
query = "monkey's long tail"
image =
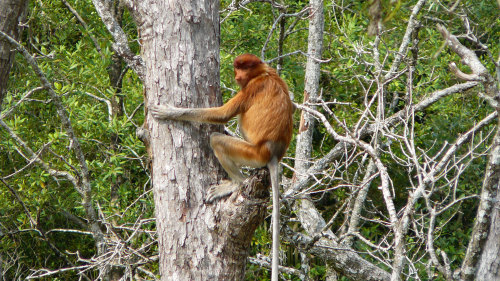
column 274, row 171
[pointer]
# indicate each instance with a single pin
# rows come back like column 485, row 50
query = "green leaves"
column 105, row 119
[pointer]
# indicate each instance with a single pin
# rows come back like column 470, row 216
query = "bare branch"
column 18, row 198
column 464, row 76
column 120, row 45
column 85, row 26
column 366, row 147
column 8, row 112
column 36, row 158
column 345, row 260
column 264, row 262
column 469, row 58
column 107, row 102
column 405, row 42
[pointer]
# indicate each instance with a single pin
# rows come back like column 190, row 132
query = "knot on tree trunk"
column 256, row 187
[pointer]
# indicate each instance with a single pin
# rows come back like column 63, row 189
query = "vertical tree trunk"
column 306, row 211
column 181, row 52
column 482, row 261
column 489, row 263
column 11, row 14
column 314, row 50
column 303, row 150
column 197, row 241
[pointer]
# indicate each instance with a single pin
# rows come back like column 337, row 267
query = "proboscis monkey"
column 265, row 113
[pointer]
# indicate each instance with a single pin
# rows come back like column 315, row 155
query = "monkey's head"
column 246, row 67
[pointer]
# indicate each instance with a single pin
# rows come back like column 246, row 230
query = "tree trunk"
column 197, row 241
column 482, row 261
column 303, row 149
column 308, row 215
column 305, row 209
column 489, row 263
column 11, row 13
column 181, row 52
column 311, row 89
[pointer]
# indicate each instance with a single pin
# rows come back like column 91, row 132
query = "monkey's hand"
column 165, row 112
column 222, row 190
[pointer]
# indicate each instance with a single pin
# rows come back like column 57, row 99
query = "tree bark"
column 178, row 39
column 481, row 259
column 197, row 241
column 12, row 13
column 303, row 149
column 311, row 89
column 489, row 263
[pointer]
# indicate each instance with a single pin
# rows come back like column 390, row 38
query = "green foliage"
column 116, row 158
column 69, row 59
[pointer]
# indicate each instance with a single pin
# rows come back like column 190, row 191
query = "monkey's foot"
column 222, row 190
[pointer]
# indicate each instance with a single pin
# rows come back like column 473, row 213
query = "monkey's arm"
column 168, row 112
column 216, row 115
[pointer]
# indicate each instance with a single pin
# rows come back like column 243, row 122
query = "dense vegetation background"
column 44, row 225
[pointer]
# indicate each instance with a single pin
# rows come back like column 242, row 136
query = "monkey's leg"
column 233, row 153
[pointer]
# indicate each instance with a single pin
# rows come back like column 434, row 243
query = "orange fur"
column 265, row 116
column 264, row 107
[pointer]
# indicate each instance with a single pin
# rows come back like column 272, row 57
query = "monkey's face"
column 241, row 76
